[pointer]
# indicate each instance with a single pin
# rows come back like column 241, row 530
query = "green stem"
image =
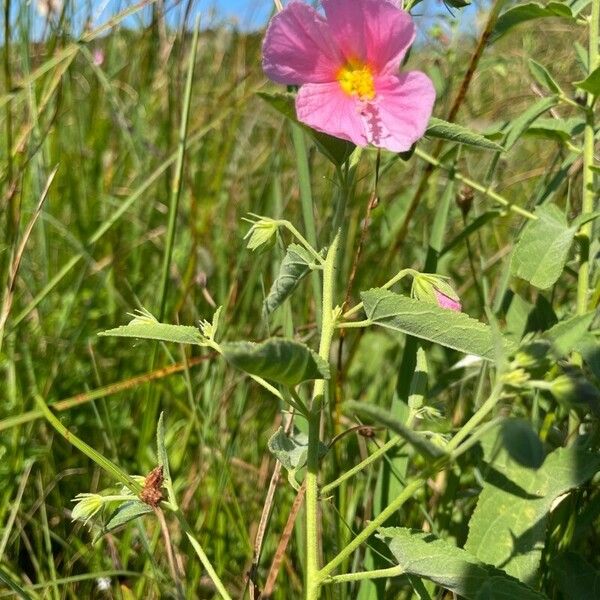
column 475, row 420
column 303, row 241
column 376, row 574
column 486, row 191
column 326, row 489
column 588, row 196
column 313, row 581
column 372, row 527
column 103, row 462
column 395, row 279
column 355, row 324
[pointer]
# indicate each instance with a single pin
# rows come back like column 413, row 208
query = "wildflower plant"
column 352, row 95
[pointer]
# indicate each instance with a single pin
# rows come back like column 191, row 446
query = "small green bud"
column 516, row 378
column 262, row 234
column 534, row 356
column 87, row 506
column 573, row 389
column 435, row 289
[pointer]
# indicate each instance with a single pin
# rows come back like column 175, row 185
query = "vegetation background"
column 90, row 122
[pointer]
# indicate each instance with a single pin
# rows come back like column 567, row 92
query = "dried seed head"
column 152, row 492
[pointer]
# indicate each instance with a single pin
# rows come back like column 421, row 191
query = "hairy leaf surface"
column 450, row 567
column 430, row 322
column 508, row 526
column 294, row 267
column 284, row 361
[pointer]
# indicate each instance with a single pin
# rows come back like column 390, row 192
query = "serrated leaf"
column 292, row 452
column 125, row 513
column 417, row 440
column 541, row 253
column 591, row 84
column 566, row 335
column 284, row 361
column 526, row 12
column 429, row 322
column 294, row 267
column 153, row 330
column 508, row 526
column 452, row 132
column 454, row 569
column 543, row 76
column 521, row 124
column 336, row 150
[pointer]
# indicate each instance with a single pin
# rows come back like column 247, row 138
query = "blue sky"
column 245, row 14
column 253, row 14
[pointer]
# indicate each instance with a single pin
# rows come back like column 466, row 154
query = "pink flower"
column 347, row 66
column 98, row 57
column 444, row 301
column 435, row 289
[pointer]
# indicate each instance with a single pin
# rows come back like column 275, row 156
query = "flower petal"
column 298, row 47
column 325, row 107
column 400, row 112
column 373, row 31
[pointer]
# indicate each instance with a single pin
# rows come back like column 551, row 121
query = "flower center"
column 356, row 79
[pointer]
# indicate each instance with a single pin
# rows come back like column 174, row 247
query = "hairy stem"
column 372, row 527
column 362, row 465
column 312, row 491
column 588, row 196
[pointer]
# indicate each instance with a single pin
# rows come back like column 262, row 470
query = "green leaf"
column 336, row 150
column 125, row 513
column 508, row 526
column 541, row 253
column 522, row 443
column 522, row 123
column 566, row 335
column 292, row 452
column 591, row 84
column 430, row 322
column 559, row 129
column 461, row 135
column 526, row 12
column 294, row 267
column 543, row 77
column 283, row 361
column 454, row 569
column 145, row 326
column 163, row 459
column 576, row 578
column 417, row 440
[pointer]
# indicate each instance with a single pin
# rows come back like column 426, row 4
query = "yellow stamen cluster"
column 357, row 80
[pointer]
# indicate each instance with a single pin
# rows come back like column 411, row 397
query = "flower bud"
column 534, row 357
column 87, row 506
column 262, row 235
column 434, row 289
column 573, row 389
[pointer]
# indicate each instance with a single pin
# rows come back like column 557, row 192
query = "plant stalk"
column 313, row 581
column 588, row 195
